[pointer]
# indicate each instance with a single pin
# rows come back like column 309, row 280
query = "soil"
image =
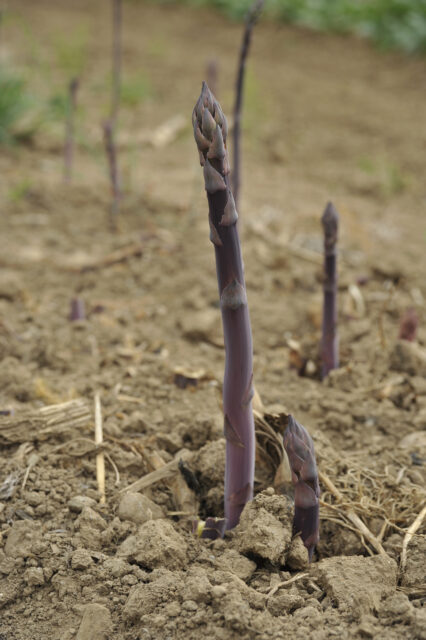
column 325, row 118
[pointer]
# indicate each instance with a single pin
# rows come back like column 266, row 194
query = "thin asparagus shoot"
column 251, row 19
column 111, row 153
column 330, row 341
column 210, row 132
column 409, row 325
column 69, row 129
column 301, row 456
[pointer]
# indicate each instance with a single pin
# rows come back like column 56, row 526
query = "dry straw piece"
column 100, row 460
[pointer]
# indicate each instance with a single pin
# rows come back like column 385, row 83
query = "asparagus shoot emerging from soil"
column 251, row 19
column 330, row 342
column 69, row 131
column 301, row 456
column 211, row 528
column 111, row 153
column 210, row 131
column 408, row 326
column 77, row 310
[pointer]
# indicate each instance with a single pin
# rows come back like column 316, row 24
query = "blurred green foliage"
column 397, row 24
column 14, row 103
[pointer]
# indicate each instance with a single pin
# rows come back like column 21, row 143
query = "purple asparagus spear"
column 301, row 455
column 69, row 132
column 251, row 19
column 330, row 341
column 210, row 131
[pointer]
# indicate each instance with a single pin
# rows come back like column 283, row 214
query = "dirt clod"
column 96, row 623
column 355, row 584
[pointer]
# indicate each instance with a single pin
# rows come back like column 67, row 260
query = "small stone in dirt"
column 34, row 498
column 81, row 559
column 283, row 603
column 297, row 557
column 356, row 584
column 408, row 357
column 137, row 508
column 77, row 503
column 231, row 560
column 117, row 567
column 156, row 544
column 96, row 623
column 144, row 599
column 21, row 537
column 265, row 528
column 34, row 576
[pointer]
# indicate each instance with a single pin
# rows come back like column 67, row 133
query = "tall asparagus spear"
column 301, row 456
column 210, row 132
column 330, row 342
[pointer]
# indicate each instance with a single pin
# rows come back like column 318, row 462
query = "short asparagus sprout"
column 210, row 132
column 301, row 455
column 209, row 529
column 330, row 341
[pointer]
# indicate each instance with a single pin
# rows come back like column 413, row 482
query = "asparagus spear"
column 251, row 19
column 69, row 131
column 301, row 455
column 210, row 132
column 330, row 342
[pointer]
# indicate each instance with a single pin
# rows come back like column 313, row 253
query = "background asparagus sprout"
column 330, row 343
column 210, row 132
column 251, row 19
column 69, row 129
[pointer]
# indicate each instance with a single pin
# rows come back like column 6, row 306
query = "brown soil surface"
column 325, row 118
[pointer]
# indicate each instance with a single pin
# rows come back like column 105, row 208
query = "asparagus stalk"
column 409, row 325
column 330, row 342
column 301, row 455
column 251, row 19
column 111, row 153
column 210, row 132
column 69, row 131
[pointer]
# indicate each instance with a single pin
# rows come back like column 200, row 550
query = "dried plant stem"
column 352, row 516
column 210, row 132
column 69, row 130
column 251, row 19
column 410, row 533
column 330, row 344
column 100, row 460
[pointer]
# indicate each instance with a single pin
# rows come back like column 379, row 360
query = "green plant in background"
column 14, row 103
column 135, row 89
column 397, row 24
column 72, row 51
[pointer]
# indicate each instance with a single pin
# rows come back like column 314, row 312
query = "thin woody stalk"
column 330, row 342
column 251, row 19
column 210, row 132
column 301, row 456
column 111, row 153
column 69, row 132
